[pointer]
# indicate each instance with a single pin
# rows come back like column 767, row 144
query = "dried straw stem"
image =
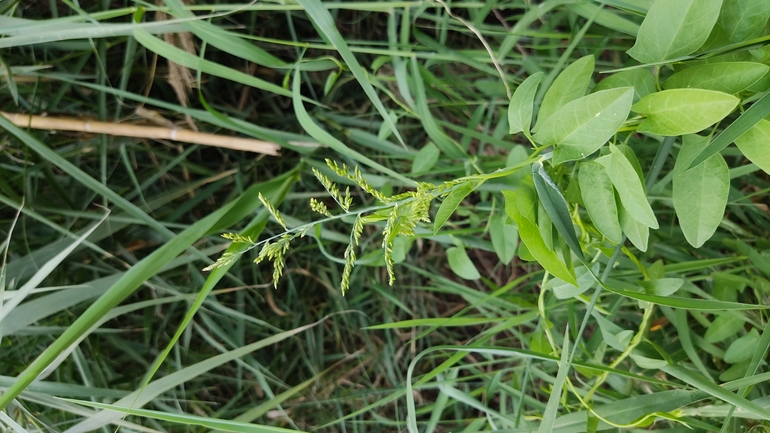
column 140, row 131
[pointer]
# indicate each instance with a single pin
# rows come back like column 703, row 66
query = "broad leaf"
column 504, row 237
column 637, row 233
column 641, row 80
column 700, row 193
column 683, row 111
column 450, row 203
column 742, row 20
column 425, row 159
column 582, row 126
column 564, row 290
column 755, row 145
column 522, row 105
column 556, row 206
column 740, row 126
column 724, row 326
column 530, row 235
column 629, row 187
column 742, row 349
column 599, row 199
column 726, row 77
column 461, row 264
column 674, row 28
column 571, row 84
column 662, row 286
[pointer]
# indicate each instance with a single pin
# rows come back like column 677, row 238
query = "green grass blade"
column 326, row 25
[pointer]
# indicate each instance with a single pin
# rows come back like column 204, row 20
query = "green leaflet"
column 683, row 111
column 582, row 126
column 530, row 235
column 742, row 20
column 522, row 105
column 755, row 145
column 461, row 264
column 504, row 237
column 450, row 203
column 726, row 77
column 629, row 187
column 599, row 199
column 741, row 349
column 724, row 326
column 552, row 407
column 745, row 122
column 571, row 84
column 662, row 286
column 556, row 206
column 674, row 28
column 700, row 193
column 425, row 159
column 641, row 80
column 637, row 233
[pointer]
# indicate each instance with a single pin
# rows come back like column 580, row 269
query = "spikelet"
column 273, row 211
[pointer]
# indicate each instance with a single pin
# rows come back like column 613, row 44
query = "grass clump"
column 534, row 212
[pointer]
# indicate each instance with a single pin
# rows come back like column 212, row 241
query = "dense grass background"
column 123, row 297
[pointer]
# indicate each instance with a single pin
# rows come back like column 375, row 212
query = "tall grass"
column 108, row 320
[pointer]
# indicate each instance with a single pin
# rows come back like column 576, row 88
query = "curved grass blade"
column 746, row 121
column 552, row 407
column 325, row 24
column 324, row 137
column 186, row 419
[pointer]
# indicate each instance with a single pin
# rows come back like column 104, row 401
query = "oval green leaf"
column 725, row 325
column 637, row 233
column 599, row 199
column 629, row 187
column 522, row 105
column 742, row 349
column 556, row 207
column 582, row 126
column 450, row 203
column 461, row 264
column 530, row 235
column 683, row 111
column 674, row 28
column 742, row 20
column 641, row 80
column 505, row 238
column 571, row 84
column 700, row 193
column 755, row 145
column 727, row 77
column 425, row 159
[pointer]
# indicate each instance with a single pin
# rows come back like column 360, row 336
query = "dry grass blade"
column 139, row 131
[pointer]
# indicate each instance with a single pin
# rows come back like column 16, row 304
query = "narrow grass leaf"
column 143, row 396
column 556, row 207
column 686, row 303
column 450, row 204
column 554, row 401
column 186, row 419
column 582, row 126
column 599, row 200
column 759, row 261
column 197, row 63
column 522, row 105
column 674, row 29
column 328, row 27
column 568, row 86
column 699, row 194
column 449, row 147
column 324, row 137
column 696, row 380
